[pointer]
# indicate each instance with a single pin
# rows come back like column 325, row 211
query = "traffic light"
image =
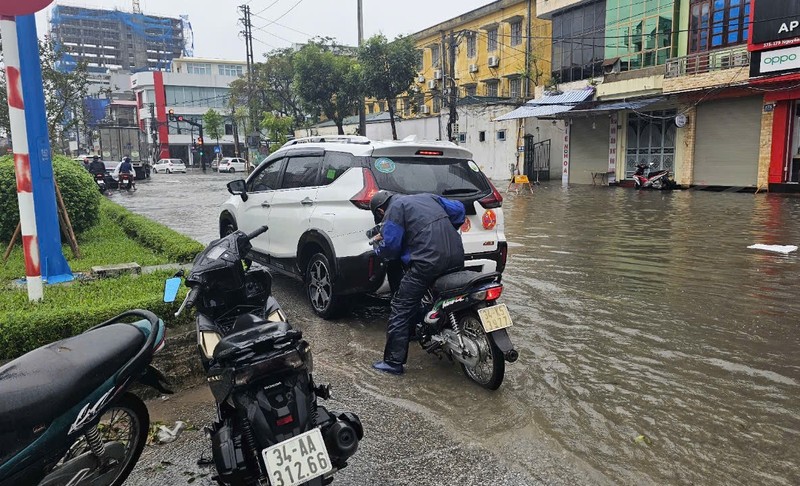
column 171, row 113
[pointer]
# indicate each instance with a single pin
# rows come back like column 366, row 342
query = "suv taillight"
column 493, row 200
column 361, row 199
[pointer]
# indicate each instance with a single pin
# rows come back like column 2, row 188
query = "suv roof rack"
column 356, row 139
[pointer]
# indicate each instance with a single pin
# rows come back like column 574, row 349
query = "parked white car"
column 169, row 166
column 314, row 195
column 232, row 164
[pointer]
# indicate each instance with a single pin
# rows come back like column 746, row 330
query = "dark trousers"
column 405, row 313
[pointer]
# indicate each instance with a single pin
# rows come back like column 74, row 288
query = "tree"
column 328, row 83
column 388, row 69
column 212, row 124
column 64, row 92
column 277, row 129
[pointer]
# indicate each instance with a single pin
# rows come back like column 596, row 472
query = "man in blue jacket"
column 420, row 230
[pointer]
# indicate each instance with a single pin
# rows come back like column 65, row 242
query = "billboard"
column 776, row 23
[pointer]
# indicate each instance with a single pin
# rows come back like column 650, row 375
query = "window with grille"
column 714, row 24
column 472, row 46
column 515, row 87
column 491, row 88
column 435, row 56
column 491, row 40
column 516, row 33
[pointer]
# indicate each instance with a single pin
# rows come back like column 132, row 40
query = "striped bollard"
column 22, row 166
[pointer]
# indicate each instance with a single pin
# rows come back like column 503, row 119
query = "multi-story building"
column 115, row 40
column 191, row 88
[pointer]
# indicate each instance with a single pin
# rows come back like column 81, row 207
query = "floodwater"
column 655, row 347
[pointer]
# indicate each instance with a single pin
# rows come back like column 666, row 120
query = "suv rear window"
column 443, row 176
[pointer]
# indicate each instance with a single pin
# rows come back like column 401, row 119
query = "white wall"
column 495, row 157
column 424, row 128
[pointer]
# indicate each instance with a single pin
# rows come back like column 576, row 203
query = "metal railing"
column 704, row 62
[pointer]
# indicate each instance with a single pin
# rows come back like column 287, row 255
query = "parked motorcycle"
column 100, row 180
column 463, row 321
column 655, row 180
column 268, row 426
column 66, row 415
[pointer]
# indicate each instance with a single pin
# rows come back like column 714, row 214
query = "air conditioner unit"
column 741, row 59
column 494, row 61
column 437, row 74
column 424, row 109
column 432, row 84
column 421, row 79
column 473, row 68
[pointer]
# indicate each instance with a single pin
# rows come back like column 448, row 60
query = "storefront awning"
column 549, row 105
column 616, row 105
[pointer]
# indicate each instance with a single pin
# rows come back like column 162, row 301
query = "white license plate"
column 495, row 317
column 297, row 460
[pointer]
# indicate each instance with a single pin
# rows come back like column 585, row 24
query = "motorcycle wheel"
column 491, row 369
column 659, row 184
column 123, row 429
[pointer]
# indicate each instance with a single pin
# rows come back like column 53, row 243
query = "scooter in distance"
column 463, row 322
column 100, row 180
column 269, row 428
column 66, row 413
column 653, row 180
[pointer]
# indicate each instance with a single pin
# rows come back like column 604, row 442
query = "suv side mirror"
column 238, row 188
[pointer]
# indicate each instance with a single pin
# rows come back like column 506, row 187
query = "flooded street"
column 654, row 346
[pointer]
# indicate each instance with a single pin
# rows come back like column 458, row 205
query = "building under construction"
column 111, row 40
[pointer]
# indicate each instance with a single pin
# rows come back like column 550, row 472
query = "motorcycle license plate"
column 298, row 459
column 495, row 317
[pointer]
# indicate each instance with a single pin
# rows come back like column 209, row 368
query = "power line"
column 284, row 13
column 265, row 8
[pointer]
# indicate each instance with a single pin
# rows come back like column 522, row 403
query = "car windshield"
column 414, row 175
column 111, row 165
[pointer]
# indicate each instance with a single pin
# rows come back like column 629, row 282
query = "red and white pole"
column 22, row 165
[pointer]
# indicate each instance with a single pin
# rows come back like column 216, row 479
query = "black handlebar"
column 258, row 232
column 192, row 297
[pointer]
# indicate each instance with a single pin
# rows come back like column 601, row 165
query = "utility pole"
column 248, row 42
column 154, row 134
column 443, row 59
column 453, row 94
column 362, row 112
column 528, row 51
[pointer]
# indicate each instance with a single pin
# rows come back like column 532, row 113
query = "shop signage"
column 612, row 149
column 780, row 60
column 775, row 24
column 565, row 158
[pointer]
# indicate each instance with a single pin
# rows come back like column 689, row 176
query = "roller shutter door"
column 588, row 148
column 727, row 141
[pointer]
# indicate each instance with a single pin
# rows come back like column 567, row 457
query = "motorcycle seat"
column 262, row 335
column 461, row 281
column 39, row 386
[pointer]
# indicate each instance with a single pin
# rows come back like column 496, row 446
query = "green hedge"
column 30, row 325
column 78, row 190
column 175, row 246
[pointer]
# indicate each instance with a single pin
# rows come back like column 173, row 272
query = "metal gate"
column 537, row 159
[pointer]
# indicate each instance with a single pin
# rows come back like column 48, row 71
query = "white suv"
column 314, row 195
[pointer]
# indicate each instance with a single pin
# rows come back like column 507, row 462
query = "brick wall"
column 684, row 174
column 711, row 79
column 765, row 148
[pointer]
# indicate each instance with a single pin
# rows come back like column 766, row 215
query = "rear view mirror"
column 238, row 188
column 171, row 286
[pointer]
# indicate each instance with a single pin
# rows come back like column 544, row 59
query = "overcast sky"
column 216, row 31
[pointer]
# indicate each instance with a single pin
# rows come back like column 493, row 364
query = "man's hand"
column 378, row 238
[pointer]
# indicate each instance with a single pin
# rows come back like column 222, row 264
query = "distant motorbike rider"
column 96, row 167
column 127, row 168
column 421, row 230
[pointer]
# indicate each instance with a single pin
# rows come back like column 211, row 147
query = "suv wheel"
column 227, row 227
column 319, row 287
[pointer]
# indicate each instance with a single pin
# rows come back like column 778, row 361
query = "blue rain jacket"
column 422, row 229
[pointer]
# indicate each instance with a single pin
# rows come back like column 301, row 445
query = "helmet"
column 379, row 200
column 126, row 159
column 95, row 157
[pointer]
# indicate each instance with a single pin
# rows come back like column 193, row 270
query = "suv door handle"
column 265, row 204
column 307, row 202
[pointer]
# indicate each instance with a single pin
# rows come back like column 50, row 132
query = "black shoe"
column 395, row 369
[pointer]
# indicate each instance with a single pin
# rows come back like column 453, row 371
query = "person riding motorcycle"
column 421, row 230
column 96, row 167
column 127, row 168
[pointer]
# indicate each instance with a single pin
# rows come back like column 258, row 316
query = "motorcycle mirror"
column 171, row 286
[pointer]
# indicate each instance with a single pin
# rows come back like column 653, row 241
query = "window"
column 406, row 107
column 462, row 138
column 516, row 33
column 435, row 56
column 471, row 90
column 718, row 23
column 420, row 61
column 228, row 128
column 491, row 88
column 198, row 68
column 435, row 175
column 437, row 104
column 481, row 136
column 640, row 35
column 491, row 40
column 229, row 70
column 501, row 135
column 472, row 45
column 578, row 42
column 301, row 171
column 515, row 87
column 267, row 178
column 335, row 164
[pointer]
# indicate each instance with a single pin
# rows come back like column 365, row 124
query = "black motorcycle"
column 269, row 426
column 461, row 320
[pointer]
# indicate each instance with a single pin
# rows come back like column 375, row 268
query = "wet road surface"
column 655, row 347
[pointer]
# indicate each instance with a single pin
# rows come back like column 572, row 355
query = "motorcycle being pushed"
column 463, row 322
column 269, row 428
column 653, row 180
column 66, row 415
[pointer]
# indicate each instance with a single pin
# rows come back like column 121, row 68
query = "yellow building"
column 491, row 45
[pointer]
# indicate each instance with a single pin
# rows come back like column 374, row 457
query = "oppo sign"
column 780, row 60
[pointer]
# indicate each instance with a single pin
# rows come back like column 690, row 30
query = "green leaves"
column 212, row 123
